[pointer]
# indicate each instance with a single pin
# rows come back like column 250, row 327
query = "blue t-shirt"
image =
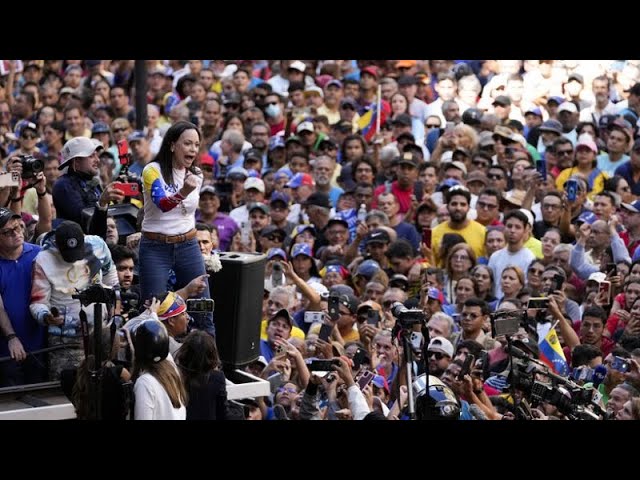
column 15, row 289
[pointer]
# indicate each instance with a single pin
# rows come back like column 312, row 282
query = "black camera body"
column 408, row 316
column 97, row 294
column 507, row 322
column 30, row 166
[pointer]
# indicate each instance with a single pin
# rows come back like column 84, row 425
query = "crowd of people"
column 479, row 217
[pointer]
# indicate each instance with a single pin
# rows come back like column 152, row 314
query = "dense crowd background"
column 462, row 189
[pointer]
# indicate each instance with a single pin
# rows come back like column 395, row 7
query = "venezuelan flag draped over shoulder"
column 551, row 353
column 367, row 122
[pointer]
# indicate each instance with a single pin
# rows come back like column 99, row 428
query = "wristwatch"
column 11, row 336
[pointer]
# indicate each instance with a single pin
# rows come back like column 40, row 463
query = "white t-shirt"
column 503, row 258
column 161, row 213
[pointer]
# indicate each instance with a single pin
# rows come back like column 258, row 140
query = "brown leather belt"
column 159, row 237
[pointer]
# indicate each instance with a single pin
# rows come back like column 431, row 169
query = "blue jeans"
column 157, row 259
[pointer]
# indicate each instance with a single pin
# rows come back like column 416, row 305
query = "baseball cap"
column 135, row 136
column 502, row 100
column 404, row 119
column 334, row 83
column 436, row 294
column 301, row 228
column 408, row 158
column 635, row 89
column 237, row 172
column 69, row 239
column 568, row 107
column 293, row 139
column 556, row 99
column 253, row 182
column 586, row 141
column 597, row 277
column 442, row 345
column 551, row 126
column 368, row 268
column 253, row 153
column 448, row 183
column 377, row 236
column 459, row 165
column 305, row 127
column 258, row 206
column 472, row 116
column 283, row 313
column 301, row 179
column 407, row 80
column 297, row 65
column 577, row 77
column 318, row 199
column 587, row 217
column 406, row 63
column 606, row 120
column 371, row 70
column 67, row 90
column 350, row 301
column 206, row 159
column 534, row 111
column 301, row 249
column 6, row 215
column 279, row 197
column 100, row 127
column 276, row 252
column 313, row 89
column 399, row 281
column 348, row 101
column 632, row 207
column 208, row 189
column 477, row 176
column 24, row 124
column 276, row 142
column 271, row 229
column 77, row 147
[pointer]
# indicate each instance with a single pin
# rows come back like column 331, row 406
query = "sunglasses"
column 116, row 130
column 275, row 238
column 494, row 176
column 438, row 355
column 28, row 137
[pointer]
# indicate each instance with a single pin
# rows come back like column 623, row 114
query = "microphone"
column 598, row 375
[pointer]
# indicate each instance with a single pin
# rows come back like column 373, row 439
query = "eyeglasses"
column 438, row 355
column 275, row 238
column 28, row 137
column 551, row 206
column 9, row 232
column 487, row 206
column 561, row 153
column 116, row 130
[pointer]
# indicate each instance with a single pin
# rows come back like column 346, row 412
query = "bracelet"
column 11, row 336
column 41, row 195
column 16, row 200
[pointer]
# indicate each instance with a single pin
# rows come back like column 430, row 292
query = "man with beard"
column 259, row 138
column 323, row 170
column 458, row 199
column 603, row 105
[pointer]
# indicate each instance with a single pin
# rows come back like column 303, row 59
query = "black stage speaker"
column 238, row 290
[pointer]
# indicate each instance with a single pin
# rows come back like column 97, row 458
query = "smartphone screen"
column 539, row 302
column 373, row 317
column 571, row 188
column 426, row 237
column 334, row 309
column 364, row 379
column 325, row 332
column 541, row 167
column 605, row 288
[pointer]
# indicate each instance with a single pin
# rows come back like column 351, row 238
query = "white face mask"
column 272, row 110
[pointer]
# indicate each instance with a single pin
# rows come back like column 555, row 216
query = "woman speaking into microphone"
column 171, row 191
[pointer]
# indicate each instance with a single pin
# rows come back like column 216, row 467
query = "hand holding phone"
column 325, row 332
column 373, row 317
column 364, row 378
column 123, row 152
column 571, row 187
column 466, row 366
column 130, row 189
column 604, row 289
column 334, row 308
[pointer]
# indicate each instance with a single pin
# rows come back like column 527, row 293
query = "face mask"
column 272, row 110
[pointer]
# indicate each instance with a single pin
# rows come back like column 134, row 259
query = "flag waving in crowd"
column 551, row 353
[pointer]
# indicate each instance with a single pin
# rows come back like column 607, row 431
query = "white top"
column 152, row 401
column 163, row 213
column 503, row 258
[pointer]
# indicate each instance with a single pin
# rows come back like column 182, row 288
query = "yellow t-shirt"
column 598, row 181
column 535, row 246
column 473, row 234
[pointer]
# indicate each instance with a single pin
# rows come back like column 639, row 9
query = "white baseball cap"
column 77, row 147
column 253, row 182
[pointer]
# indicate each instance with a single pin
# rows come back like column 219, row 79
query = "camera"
column 30, row 166
column 97, row 294
column 316, row 365
column 407, row 316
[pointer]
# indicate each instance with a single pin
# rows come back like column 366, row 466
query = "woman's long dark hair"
column 165, row 155
column 197, row 358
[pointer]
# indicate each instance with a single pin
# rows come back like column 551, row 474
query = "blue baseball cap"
column 301, row 179
column 282, row 174
column 301, row 249
column 136, row 135
column 448, row 183
column 587, row 217
column 276, row 142
column 301, row 228
column 368, row 269
column 237, row 172
column 279, row 197
column 100, row 127
column 276, row 252
column 558, row 100
column 633, row 207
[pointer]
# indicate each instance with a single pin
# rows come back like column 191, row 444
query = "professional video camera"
column 130, row 301
column 571, row 399
column 509, row 322
column 97, row 294
column 408, row 316
column 30, row 166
